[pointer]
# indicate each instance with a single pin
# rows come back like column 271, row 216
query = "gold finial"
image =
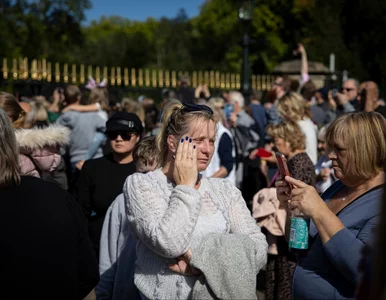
column 98, row 74
column 82, row 78
column 154, row 78
column 112, row 77
column 217, row 79
column 119, row 76
column 238, row 81
column 174, row 79
column 126, row 76
column 194, row 79
column 105, row 75
column 73, row 73
column 160, row 78
column 133, row 77
column 206, row 77
column 39, row 70
column 147, row 77
column 227, row 80
column 57, row 72
column 26, row 71
column 212, row 82
column 65, row 73
column 254, row 82
column 34, row 69
column 200, row 78
column 140, row 77
column 89, row 72
column 167, row 78
column 222, row 80
column 264, row 82
column 233, row 81
column 44, row 68
column 49, row 72
column 5, row 68
column 258, row 83
column 14, row 68
column 21, row 68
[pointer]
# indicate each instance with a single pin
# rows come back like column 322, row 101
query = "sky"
column 140, row 10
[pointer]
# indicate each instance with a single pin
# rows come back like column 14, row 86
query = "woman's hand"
column 283, row 190
column 305, row 198
column 185, row 164
column 183, row 265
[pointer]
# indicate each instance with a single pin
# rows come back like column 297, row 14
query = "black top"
column 225, row 152
column 382, row 110
column 101, row 181
column 44, row 247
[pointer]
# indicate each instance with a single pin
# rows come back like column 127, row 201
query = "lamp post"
column 245, row 16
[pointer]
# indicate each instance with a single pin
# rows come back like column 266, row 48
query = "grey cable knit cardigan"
column 165, row 220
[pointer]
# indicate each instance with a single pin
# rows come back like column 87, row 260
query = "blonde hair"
column 129, row 105
column 39, row 112
column 145, row 152
column 100, row 95
column 9, row 153
column 289, row 132
column 12, row 108
column 177, row 122
column 216, row 104
column 292, row 107
column 362, row 135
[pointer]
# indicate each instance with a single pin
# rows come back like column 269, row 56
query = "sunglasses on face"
column 348, row 89
column 125, row 135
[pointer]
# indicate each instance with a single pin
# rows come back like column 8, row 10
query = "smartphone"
column 334, row 93
column 282, row 165
column 228, row 110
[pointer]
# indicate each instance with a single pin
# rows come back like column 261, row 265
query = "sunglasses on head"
column 125, row 135
column 191, row 107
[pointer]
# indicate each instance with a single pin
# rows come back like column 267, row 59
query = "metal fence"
column 42, row 70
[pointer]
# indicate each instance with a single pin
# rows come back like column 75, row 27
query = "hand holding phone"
column 284, row 188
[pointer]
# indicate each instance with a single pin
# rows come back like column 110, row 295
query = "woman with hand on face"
column 173, row 210
column 345, row 216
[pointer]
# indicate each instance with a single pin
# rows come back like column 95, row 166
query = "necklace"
column 345, row 197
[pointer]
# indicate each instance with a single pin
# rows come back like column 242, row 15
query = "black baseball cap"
column 124, row 121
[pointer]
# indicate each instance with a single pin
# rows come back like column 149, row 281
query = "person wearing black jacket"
column 101, row 180
column 45, row 250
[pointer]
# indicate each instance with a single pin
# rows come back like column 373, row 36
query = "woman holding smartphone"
column 290, row 142
column 343, row 219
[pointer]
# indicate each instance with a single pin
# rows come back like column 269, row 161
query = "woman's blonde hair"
column 177, row 122
column 100, row 95
column 289, row 132
column 293, row 107
column 39, row 112
column 9, row 153
column 129, row 105
column 12, row 108
column 362, row 135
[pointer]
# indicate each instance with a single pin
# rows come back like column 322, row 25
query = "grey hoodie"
column 84, row 126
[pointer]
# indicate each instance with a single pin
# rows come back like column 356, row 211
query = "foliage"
column 54, row 29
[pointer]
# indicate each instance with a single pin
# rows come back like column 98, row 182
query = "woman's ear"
column 172, row 143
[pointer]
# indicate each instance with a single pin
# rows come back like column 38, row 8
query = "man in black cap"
column 101, row 180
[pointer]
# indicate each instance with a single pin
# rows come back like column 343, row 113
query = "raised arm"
column 82, row 108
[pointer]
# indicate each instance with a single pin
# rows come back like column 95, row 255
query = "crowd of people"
column 184, row 200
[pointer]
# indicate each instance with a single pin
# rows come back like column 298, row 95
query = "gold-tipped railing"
column 41, row 70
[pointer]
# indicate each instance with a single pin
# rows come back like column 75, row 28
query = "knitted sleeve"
column 241, row 221
column 163, row 225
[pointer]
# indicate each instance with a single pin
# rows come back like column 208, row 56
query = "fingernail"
column 186, row 138
column 182, row 140
column 194, row 147
column 190, row 140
